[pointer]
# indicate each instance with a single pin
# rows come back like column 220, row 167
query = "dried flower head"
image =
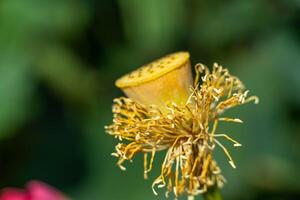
column 166, row 111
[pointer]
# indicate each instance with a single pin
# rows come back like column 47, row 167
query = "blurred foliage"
column 59, row 60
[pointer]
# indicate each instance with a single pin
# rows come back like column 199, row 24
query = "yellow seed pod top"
column 153, row 70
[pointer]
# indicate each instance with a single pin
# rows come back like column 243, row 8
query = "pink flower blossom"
column 35, row 190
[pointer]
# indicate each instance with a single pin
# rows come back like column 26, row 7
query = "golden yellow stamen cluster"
column 182, row 130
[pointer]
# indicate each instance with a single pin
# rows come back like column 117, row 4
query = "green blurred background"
column 59, row 60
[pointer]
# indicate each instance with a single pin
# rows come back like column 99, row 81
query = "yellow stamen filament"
column 230, row 120
column 145, row 166
column 226, row 152
column 236, row 144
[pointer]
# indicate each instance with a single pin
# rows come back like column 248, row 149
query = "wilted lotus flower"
column 166, row 111
column 35, row 190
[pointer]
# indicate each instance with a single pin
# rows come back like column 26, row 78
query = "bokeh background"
column 59, row 60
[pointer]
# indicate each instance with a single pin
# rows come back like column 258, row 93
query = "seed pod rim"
column 153, row 70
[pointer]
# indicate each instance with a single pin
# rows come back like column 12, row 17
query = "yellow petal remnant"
column 155, row 118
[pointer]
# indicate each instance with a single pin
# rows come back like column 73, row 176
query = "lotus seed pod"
column 159, row 82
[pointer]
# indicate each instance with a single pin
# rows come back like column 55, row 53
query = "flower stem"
column 213, row 193
column 191, row 197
